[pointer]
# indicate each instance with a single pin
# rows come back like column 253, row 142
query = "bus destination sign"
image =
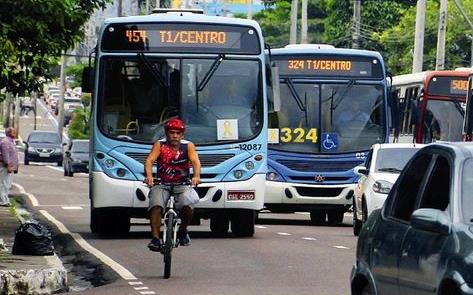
column 329, row 66
column 448, row 85
column 165, row 37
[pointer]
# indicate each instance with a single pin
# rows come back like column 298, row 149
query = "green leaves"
column 33, row 33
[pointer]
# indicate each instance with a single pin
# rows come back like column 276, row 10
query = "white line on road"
column 283, row 234
column 309, row 239
column 33, row 200
column 55, row 168
column 147, row 292
column 340, row 247
column 260, row 226
column 72, row 208
column 141, row 288
column 135, row 283
column 303, row 213
column 122, row 271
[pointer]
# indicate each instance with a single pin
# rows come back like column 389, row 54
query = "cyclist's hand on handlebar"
column 195, row 181
column 149, row 181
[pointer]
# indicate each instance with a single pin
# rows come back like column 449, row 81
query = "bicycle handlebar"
column 157, row 181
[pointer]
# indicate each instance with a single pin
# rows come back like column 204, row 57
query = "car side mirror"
column 431, row 220
column 361, row 170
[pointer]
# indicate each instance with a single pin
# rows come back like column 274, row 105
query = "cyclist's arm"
column 194, row 159
column 153, row 155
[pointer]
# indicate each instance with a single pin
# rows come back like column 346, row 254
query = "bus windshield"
column 443, row 120
column 329, row 117
column 141, row 93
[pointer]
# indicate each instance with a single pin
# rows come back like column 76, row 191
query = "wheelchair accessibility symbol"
column 329, row 142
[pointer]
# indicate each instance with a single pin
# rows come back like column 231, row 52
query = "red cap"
column 175, row 124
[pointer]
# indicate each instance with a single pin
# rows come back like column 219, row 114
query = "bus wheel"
column 335, row 216
column 219, row 224
column 243, row 222
column 112, row 222
column 94, row 220
column 317, row 217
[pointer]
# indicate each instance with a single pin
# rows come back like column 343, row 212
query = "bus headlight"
column 382, row 187
column 249, row 165
column 238, row 174
column 109, row 163
column 272, row 176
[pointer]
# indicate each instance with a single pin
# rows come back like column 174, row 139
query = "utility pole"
column 249, row 15
column 60, row 103
column 356, row 24
column 465, row 16
column 293, row 32
column 157, row 4
column 304, row 22
column 419, row 37
column 440, row 61
column 119, row 9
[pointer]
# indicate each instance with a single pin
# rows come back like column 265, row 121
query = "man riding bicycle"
column 174, row 156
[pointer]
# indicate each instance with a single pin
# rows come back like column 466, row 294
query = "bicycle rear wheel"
column 168, row 245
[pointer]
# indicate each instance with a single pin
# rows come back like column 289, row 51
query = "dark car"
column 43, row 146
column 421, row 241
column 76, row 157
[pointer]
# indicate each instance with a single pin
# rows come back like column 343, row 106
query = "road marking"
column 119, row 269
column 55, row 168
column 283, row 234
column 72, row 208
column 309, row 239
column 147, row 292
column 340, row 247
column 260, row 226
column 135, row 283
column 33, row 200
column 303, row 213
column 141, row 288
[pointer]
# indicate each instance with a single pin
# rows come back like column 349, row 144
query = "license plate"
column 239, row 195
column 44, row 155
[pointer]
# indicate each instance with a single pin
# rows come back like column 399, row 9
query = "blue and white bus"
column 179, row 64
column 334, row 106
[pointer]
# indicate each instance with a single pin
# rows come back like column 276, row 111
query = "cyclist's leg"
column 157, row 198
column 187, row 197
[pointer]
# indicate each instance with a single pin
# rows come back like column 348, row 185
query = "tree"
column 32, row 36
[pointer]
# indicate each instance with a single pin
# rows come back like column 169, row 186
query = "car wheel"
column 59, row 163
column 357, row 224
column 219, row 224
column 27, row 162
column 364, row 211
column 335, row 216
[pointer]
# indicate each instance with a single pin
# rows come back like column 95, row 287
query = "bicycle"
column 171, row 224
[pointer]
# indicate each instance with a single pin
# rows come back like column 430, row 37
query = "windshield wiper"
column 296, row 97
column 345, row 91
column 390, row 169
column 458, row 106
column 154, row 73
column 210, row 72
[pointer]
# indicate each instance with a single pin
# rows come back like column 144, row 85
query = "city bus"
column 334, row 107
column 468, row 121
column 183, row 64
column 431, row 105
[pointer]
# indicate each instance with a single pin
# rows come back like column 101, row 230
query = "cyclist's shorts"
column 185, row 196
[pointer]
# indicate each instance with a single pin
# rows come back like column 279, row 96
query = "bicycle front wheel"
column 168, row 245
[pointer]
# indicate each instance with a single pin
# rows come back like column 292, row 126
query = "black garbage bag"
column 33, row 238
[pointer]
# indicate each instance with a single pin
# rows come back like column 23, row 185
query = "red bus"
column 431, row 105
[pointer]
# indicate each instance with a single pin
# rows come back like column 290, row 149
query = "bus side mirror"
column 88, row 77
column 275, row 100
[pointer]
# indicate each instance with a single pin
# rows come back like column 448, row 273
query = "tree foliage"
column 33, row 33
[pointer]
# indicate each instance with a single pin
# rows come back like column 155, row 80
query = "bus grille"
column 319, row 166
column 206, row 160
column 318, row 192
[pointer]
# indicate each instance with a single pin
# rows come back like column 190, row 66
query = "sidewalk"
column 22, row 274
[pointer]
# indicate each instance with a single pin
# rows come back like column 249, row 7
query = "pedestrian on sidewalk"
column 8, row 164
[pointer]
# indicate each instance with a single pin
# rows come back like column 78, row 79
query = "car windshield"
column 328, row 117
column 44, row 138
column 218, row 102
column 443, row 121
column 80, row 146
column 393, row 160
column 467, row 189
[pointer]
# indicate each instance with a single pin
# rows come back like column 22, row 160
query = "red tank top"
column 173, row 165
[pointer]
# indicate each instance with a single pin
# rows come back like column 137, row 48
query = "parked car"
column 76, row 157
column 377, row 175
column 421, row 241
column 43, row 146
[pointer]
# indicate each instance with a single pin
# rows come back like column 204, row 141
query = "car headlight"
column 31, row 149
column 77, row 160
column 272, row 176
column 382, row 186
column 109, row 163
column 249, row 165
column 57, row 150
column 238, row 174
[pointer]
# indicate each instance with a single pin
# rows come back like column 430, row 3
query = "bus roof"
column 182, row 17
column 305, row 49
column 417, row 78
